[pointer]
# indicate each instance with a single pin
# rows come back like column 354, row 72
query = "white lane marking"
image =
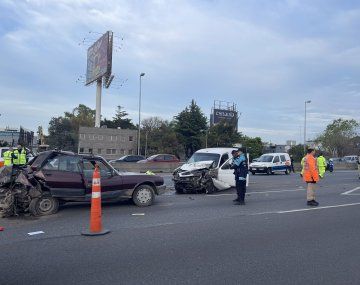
column 258, row 192
column 35, row 233
column 138, row 214
column 317, row 208
column 350, row 191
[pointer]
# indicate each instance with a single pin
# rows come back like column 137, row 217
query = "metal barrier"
column 155, row 167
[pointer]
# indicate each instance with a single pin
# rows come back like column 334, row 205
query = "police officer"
column 240, row 170
column 321, row 163
column 9, row 157
column 21, row 155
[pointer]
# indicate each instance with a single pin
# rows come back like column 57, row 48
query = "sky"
column 267, row 57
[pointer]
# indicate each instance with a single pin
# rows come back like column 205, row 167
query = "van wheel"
column 268, row 171
column 253, row 172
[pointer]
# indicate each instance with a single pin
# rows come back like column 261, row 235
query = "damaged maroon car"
column 58, row 177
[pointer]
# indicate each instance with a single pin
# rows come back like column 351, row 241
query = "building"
column 272, row 148
column 106, row 142
column 15, row 136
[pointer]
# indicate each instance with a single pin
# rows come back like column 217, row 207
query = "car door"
column 226, row 174
column 111, row 183
column 63, row 176
column 225, row 177
column 276, row 163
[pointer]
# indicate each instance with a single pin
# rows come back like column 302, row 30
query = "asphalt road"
column 197, row 239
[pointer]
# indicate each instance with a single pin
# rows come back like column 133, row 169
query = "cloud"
column 267, row 57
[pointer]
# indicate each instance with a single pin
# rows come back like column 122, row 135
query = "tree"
column 254, row 146
column 338, row 135
column 64, row 130
column 62, row 135
column 297, row 151
column 190, row 126
column 119, row 120
column 223, row 134
column 158, row 136
column 81, row 116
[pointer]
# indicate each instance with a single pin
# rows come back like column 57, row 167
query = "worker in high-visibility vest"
column 310, row 176
column 21, row 155
column 321, row 163
column 302, row 166
column 9, row 157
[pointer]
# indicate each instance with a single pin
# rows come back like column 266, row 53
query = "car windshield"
column 266, row 158
column 199, row 156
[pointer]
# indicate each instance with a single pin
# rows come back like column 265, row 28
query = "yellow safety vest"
column 8, row 158
column 21, row 157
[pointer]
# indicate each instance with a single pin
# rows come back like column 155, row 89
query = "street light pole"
column 306, row 102
column 138, row 150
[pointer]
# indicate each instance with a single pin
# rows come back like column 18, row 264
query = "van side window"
column 276, row 159
column 283, row 159
column 224, row 158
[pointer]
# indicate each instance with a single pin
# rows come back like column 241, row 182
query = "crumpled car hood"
column 196, row 165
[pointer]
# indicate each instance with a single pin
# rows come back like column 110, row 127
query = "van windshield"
column 266, row 158
column 196, row 157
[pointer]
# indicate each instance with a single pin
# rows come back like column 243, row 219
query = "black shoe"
column 312, row 203
column 239, row 202
column 236, row 200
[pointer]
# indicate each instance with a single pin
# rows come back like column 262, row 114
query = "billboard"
column 228, row 115
column 99, row 59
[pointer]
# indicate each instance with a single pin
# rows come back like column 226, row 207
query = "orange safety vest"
column 310, row 169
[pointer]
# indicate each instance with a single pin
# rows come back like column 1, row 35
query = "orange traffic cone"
column 95, row 216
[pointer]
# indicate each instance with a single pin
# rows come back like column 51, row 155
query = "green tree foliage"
column 338, row 135
column 297, row 151
column 64, row 130
column 223, row 134
column 158, row 136
column 254, row 146
column 190, row 126
column 62, row 134
column 81, row 116
column 119, row 120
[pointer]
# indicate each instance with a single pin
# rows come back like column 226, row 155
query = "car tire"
column 143, row 196
column 43, row 206
column 268, row 171
column 253, row 172
column 179, row 190
column 210, row 188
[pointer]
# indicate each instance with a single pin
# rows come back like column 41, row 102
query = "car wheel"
column 287, row 172
column 179, row 190
column 268, row 171
column 44, row 205
column 143, row 196
column 210, row 188
column 253, row 172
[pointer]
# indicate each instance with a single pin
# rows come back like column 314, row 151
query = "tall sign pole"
column 98, row 103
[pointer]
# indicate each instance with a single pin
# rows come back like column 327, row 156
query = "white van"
column 270, row 163
column 206, row 169
column 350, row 159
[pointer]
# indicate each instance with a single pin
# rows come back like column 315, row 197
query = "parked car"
column 270, row 163
column 350, row 159
column 207, row 170
column 55, row 177
column 128, row 158
column 159, row 158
